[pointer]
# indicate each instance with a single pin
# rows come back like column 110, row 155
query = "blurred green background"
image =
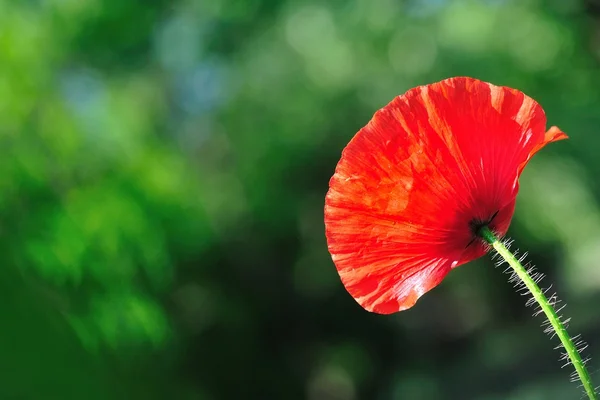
column 162, row 178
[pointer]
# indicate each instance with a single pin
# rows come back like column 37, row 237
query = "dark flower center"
column 477, row 224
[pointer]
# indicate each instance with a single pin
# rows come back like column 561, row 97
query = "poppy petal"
column 413, row 182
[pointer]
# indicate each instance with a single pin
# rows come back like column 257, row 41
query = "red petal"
column 410, row 183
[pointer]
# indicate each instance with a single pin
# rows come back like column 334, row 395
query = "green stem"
column 546, row 307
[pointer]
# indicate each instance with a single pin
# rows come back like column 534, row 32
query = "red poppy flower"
column 416, row 182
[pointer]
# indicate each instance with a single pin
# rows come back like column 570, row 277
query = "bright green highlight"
column 546, row 307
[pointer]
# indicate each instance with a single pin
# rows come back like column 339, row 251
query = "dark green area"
column 163, row 172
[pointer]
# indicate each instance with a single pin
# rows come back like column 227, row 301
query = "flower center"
column 477, row 224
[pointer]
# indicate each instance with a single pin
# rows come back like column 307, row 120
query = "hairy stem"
column 546, row 307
